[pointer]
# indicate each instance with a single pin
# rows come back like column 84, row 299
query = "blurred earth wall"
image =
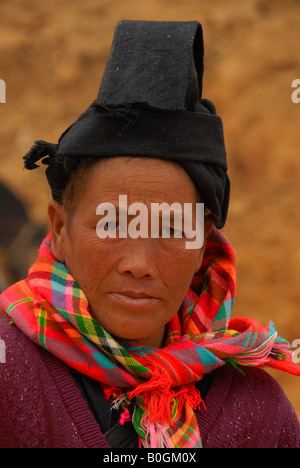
column 52, row 56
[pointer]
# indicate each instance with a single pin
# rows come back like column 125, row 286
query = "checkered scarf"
column 52, row 310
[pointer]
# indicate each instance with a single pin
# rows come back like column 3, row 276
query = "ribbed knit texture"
column 41, row 406
column 249, row 411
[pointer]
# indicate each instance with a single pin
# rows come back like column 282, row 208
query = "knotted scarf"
column 52, row 310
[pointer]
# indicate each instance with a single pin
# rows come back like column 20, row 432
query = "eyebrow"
column 163, row 214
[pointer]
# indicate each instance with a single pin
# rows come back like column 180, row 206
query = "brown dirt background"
column 52, row 56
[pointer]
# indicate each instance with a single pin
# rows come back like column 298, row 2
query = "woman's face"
column 134, row 286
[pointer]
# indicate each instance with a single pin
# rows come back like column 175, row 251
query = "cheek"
column 86, row 259
column 179, row 272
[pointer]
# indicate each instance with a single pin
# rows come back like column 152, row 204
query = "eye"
column 110, row 226
column 115, row 227
column 169, row 231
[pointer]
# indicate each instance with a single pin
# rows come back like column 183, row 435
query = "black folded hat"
column 149, row 105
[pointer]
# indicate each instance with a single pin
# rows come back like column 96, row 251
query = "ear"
column 58, row 219
column 208, row 225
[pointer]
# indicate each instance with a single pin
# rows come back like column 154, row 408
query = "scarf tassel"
column 273, row 352
column 158, row 406
column 150, row 435
column 163, row 401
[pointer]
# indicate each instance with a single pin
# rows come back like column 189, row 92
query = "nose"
column 138, row 259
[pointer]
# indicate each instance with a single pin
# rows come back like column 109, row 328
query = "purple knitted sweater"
column 41, row 405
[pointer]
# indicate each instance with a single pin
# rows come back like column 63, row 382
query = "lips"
column 134, row 298
column 135, row 294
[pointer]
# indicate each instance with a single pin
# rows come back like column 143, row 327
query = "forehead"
column 141, row 179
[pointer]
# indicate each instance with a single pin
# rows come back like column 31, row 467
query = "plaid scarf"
column 52, row 310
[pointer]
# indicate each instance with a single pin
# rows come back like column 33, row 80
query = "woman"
column 118, row 340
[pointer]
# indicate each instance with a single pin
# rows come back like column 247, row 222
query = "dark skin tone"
column 134, row 286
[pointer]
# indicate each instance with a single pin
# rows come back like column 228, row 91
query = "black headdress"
column 149, row 105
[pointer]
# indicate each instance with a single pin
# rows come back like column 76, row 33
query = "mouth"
column 134, row 299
